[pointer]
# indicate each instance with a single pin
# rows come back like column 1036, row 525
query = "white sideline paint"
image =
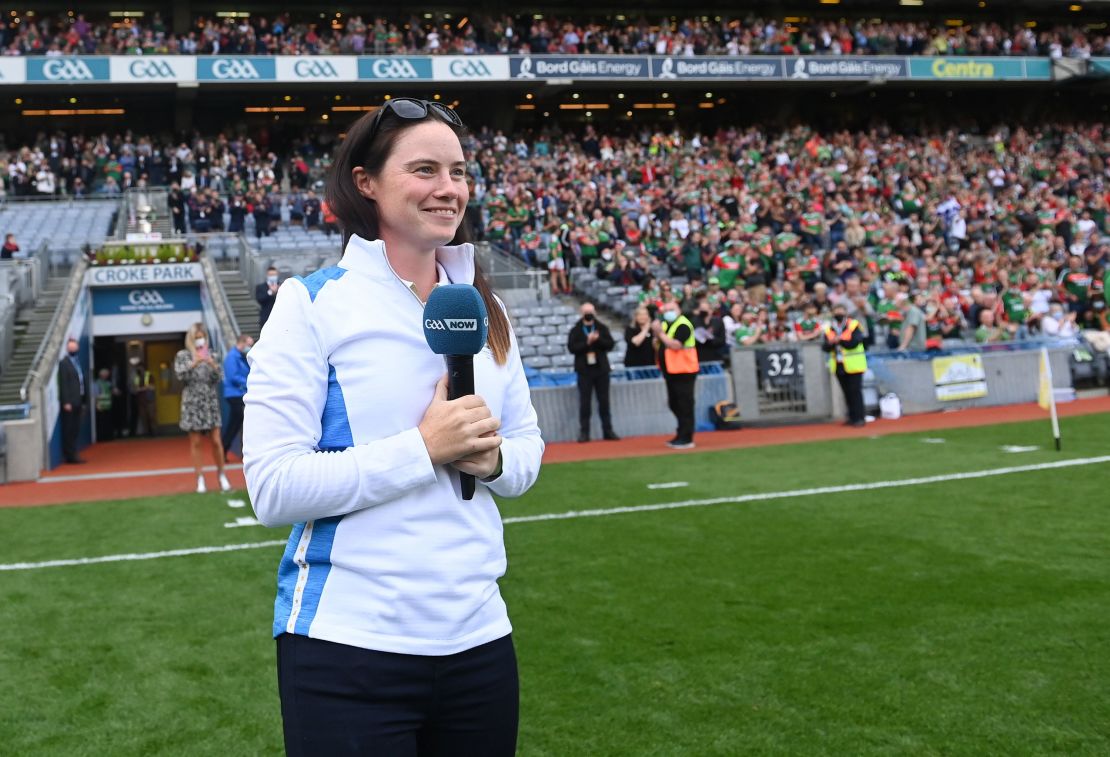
column 240, row 522
column 1016, row 448
column 236, row 503
column 141, row 556
column 932, row 440
column 764, row 496
column 131, row 474
column 669, row 485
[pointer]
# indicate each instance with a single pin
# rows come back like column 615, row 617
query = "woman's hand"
column 480, row 464
column 461, row 431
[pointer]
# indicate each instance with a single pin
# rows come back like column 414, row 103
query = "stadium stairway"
column 31, row 324
column 240, row 297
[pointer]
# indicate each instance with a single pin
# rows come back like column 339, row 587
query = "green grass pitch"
column 953, row 618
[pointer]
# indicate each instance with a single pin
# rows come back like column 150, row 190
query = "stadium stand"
column 444, row 33
column 1004, row 220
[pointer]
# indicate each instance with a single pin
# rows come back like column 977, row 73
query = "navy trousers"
column 339, row 701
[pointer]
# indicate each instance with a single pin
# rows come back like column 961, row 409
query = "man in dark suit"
column 590, row 341
column 71, row 395
column 265, row 293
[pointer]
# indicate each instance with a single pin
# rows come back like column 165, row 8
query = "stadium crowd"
column 752, row 34
column 991, row 237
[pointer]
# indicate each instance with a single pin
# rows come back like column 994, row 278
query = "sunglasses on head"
column 412, row 109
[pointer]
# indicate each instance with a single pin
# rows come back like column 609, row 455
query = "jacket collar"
column 368, row 257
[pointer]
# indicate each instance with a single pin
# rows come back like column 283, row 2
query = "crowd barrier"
column 637, row 400
column 1010, row 375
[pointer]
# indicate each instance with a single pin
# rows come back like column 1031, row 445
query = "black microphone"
column 455, row 325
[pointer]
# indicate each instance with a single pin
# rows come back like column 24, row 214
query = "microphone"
column 456, row 325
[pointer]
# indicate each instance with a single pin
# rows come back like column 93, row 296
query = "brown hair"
column 358, row 214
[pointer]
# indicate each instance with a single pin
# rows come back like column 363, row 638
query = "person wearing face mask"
column 236, row 369
column 678, row 360
column 266, row 294
column 590, row 341
column 709, row 333
column 847, row 361
column 71, row 395
column 1057, row 323
column 140, row 384
column 200, row 374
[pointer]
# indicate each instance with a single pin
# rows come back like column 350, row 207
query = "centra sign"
column 130, row 275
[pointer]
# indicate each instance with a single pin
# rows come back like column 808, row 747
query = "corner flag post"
column 1046, row 397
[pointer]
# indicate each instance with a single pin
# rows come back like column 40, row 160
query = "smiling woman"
column 391, row 632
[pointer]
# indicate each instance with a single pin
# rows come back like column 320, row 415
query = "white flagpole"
column 1051, row 397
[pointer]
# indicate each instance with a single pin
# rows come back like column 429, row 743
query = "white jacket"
column 384, row 553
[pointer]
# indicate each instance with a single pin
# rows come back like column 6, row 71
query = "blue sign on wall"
column 395, row 68
column 244, row 68
column 579, row 67
column 145, row 299
column 967, row 69
column 844, row 67
column 707, row 67
column 68, row 70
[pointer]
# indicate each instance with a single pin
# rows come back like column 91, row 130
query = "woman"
column 392, row 637
column 638, row 336
column 198, row 371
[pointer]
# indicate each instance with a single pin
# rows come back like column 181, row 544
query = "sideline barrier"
column 1011, row 374
column 637, row 401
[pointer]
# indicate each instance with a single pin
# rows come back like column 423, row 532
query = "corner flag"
column 1046, row 397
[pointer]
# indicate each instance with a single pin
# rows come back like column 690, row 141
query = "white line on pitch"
column 811, row 492
column 130, row 474
column 240, row 522
column 669, row 485
column 141, row 556
column 894, row 484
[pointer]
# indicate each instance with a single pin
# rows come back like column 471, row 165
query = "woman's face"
column 421, row 190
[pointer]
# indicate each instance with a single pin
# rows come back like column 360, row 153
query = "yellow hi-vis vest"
column 686, row 359
column 854, row 358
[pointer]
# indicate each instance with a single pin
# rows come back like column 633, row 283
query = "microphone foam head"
column 455, row 320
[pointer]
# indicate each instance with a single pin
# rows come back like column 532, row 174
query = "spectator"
column 989, row 331
column 236, row 369
column 912, row 334
column 557, row 268
column 709, row 333
column 177, row 208
column 678, row 360
column 196, row 368
column 10, row 250
column 589, row 341
column 141, row 398
column 265, row 294
column 71, row 397
column 1057, row 323
column 104, row 394
column 640, row 351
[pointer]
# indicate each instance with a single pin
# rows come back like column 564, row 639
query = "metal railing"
column 225, row 316
column 506, row 271
column 7, row 327
column 51, row 343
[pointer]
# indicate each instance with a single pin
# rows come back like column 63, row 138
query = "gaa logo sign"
column 451, row 324
column 470, row 69
column 321, row 69
column 151, row 69
column 234, row 68
column 394, row 69
column 66, row 70
column 145, row 298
